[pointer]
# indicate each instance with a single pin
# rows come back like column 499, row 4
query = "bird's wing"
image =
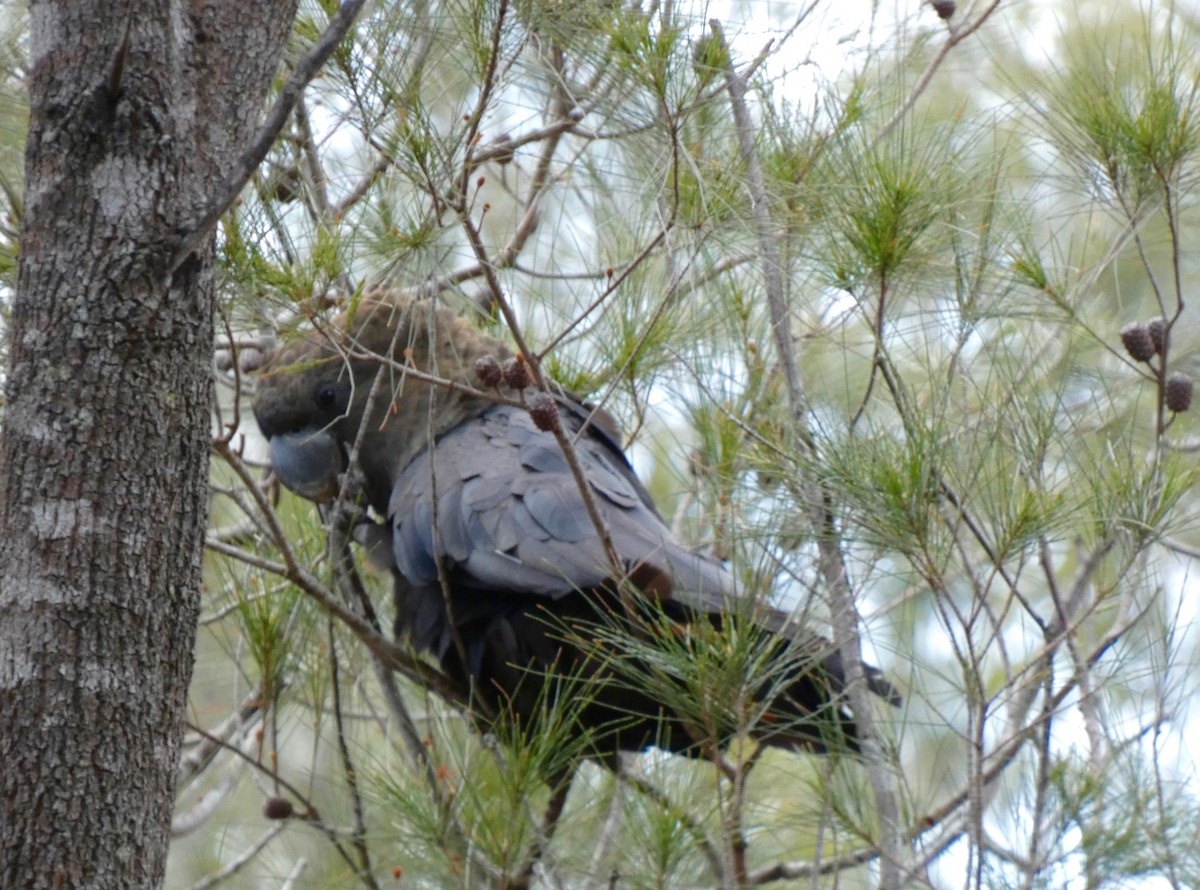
column 511, row 521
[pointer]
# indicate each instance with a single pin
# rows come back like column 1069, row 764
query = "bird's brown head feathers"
column 376, row 376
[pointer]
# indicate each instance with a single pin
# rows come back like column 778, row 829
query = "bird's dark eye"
column 326, row 397
column 330, row 397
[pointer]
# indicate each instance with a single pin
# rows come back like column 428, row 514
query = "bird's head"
column 374, row 376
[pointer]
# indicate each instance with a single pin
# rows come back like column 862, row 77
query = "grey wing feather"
column 543, row 457
column 412, row 544
column 511, row 518
column 558, row 509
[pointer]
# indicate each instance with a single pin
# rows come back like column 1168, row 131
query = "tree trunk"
column 136, row 110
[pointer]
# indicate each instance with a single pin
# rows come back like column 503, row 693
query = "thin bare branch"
column 197, row 232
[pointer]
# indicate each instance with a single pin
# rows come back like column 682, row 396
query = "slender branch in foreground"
column 539, row 379
column 194, row 762
column 957, row 36
column 996, row 762
column 396, row 657
column 241, row 861
column 831, row 562
column 349, row 772
column 196, row 233
column 350, row 583
column 309, row 816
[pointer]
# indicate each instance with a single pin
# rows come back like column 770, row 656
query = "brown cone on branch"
column 1158, row 334
column 1178, row 396
column 488, row 371
column 544, row 411
column 516, row 374
column 1138, row 342
column 277, row 808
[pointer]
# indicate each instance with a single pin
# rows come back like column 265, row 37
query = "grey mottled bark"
column 136, row 110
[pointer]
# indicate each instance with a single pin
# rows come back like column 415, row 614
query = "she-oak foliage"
column 972, row 460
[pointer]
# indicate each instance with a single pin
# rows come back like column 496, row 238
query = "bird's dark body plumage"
column 494, row 553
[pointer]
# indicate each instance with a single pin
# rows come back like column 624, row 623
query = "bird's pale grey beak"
column 308, row 462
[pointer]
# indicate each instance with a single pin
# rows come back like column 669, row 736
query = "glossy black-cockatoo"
column 501, row 572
